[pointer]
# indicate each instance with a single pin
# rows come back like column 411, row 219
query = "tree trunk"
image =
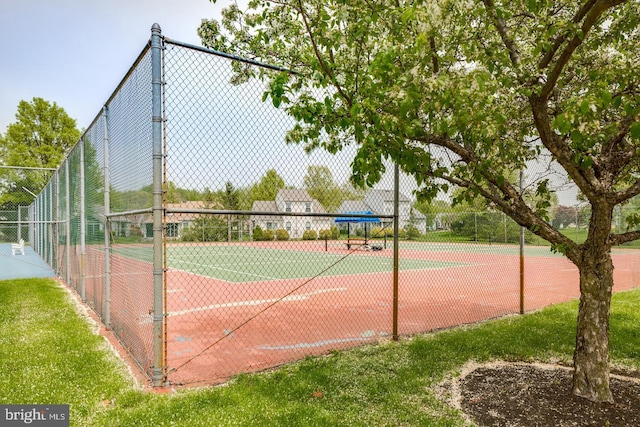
column 591, row 356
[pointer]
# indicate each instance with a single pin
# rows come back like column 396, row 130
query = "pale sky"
column 75, row 52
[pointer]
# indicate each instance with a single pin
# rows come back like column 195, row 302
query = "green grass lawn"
column 51, row 354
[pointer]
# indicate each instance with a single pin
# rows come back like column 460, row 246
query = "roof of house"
column 192, row 204
column 286, row 195
column 264, row 206
column 177, row 217
column 418, row 215
column 317, row 207
column 294, row 195
column 374, row 201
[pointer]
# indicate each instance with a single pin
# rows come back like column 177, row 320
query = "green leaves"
column 408, row 14
column 562, row 124
column 634, row 130
column 277, row 90
column 534, row 6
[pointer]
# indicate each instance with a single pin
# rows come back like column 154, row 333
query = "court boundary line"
column 231, row 271
column 249, row 303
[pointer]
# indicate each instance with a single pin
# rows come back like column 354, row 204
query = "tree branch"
column 627, row 193
column 318, row 55
column 618, row 239
column 434, row 54
column 504, row 195
column 591, row 12
column 548, row 56
column 617, row 154
column 521, row 213
column 501, row 26
column 583, row 177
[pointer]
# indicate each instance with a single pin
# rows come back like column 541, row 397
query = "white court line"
column 301, row 297
column 232, row 271
column 197, row 274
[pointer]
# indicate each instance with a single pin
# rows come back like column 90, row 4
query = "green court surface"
column 479, row 248
column 243, row 263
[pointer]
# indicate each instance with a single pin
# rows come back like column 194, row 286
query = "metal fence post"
column 396, row 257
column 83, row 226
column 19, row 223
column 35, row 231
column 521, row 252
column 56, row 225
column 44, row 225
column 52, row 255
column 158, row 211
column 40, row 225
column 107, row 221
column 31, row 224
column 58, row 266
column 67, row 208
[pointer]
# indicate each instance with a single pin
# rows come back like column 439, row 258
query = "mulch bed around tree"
column 516, row 394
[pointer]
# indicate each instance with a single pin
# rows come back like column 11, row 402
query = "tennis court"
column 247, row 306
column 243, row 307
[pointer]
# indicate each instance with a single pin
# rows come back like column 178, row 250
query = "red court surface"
column 216, row 329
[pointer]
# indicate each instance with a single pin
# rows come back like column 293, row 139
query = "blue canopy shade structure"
column 361, row 219
column 358, row 220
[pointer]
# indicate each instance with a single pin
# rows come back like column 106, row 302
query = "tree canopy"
column 320, row 185
column 463, row 93
column 267, row 188
column 41, row 137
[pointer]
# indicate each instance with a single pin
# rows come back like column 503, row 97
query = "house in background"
column 177, row 223
column 120, row 225
column 141, row 225
column 290, row 201
column 380, row 202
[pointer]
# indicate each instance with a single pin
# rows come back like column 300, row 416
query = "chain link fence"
column 25, row 215
column 211, row 247
column 18, row 188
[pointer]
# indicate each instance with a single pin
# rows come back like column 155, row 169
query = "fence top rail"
column 227, row 55
column 272, row 213
column 127, row 213
column 28, row 168
column 30, row 221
